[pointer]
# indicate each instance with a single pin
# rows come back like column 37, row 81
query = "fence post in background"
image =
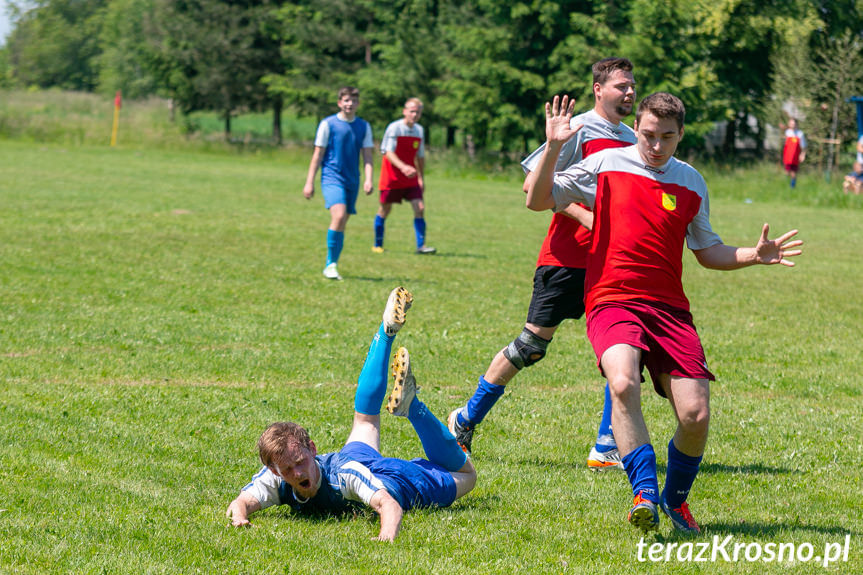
column 118, row 101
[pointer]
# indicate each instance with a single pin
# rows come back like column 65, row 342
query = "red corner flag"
column 118, row 100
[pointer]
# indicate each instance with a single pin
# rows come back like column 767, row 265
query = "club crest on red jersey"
column 669, row 201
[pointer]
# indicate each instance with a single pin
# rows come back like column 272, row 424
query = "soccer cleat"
column 643, row 514
column 426, row 250
column 398, row 304
column 331, row 272
column 404, row 384
column 463, row 435
column 599, row 461
column 680, row 517
column 378, row 249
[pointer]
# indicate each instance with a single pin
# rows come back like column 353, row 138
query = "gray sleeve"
column 569, row 154
column 575, row 184
column 699, row 232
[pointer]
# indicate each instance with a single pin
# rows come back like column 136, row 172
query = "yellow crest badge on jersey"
column 416, row 144
column 669, row 201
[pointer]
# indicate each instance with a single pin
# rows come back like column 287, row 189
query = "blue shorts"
column 414, row 483
column 337, row 194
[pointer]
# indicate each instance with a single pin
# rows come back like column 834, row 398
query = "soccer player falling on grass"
column 645, row 204
column 295, row 474
column 558, row 283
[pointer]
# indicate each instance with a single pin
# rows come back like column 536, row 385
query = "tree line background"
column 483, row 68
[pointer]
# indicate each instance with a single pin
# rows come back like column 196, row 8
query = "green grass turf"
column 158, row 309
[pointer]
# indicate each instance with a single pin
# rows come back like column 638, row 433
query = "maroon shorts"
column 792, row 167
column 666, row 334
column 396, row 196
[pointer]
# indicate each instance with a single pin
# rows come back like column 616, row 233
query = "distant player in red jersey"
column 558, row 282
column 794, row 150
column 646, row 204
column 402, row 174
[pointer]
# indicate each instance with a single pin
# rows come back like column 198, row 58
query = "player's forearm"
column 368, row 164
column 539, row 187
column 241, row 507
column 390, row 513
column 314, row 164
column 395, row 161
column 723, row 257
column 579, row 214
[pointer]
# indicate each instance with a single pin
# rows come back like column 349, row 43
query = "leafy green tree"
column 55, row 44
column 324, row 43
column 213, row 54
column 125, row 50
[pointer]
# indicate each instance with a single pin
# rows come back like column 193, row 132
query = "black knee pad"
column 527, row 349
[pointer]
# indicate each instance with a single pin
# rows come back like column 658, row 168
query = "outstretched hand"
column 776, row 251
column 558, row 115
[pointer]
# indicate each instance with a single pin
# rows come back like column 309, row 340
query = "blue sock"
column 478, row 406
column 640, row 466
column 438, row 443
column 793, row 182
column 379, row 231
column 335, row 241
column 420, row 230
column 680, row 475
column 604, row 438
column 372, row 385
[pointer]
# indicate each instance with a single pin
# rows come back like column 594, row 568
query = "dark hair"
column 662, row 105
column 603, row 69
column 279, row 439
column 349, row 91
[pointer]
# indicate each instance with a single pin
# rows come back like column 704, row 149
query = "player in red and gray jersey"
column 558, row 284
column 646, row 203
column 567, row 241
column 402, row 169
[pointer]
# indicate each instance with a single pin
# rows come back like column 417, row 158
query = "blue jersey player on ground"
column 339, row 142
column 295, row 474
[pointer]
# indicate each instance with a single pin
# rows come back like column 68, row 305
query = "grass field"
column 160, row 308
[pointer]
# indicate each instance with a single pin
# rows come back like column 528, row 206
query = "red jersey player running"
column 646, row 203
column 558, row 283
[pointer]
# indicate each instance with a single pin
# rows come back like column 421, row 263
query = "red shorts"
column 792, row 167
column 666, row 334
column 396, row 196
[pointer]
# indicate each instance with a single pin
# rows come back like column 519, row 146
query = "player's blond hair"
column 280, row 439
column 416, row 101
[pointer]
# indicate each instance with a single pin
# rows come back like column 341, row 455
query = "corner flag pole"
column 118, row 101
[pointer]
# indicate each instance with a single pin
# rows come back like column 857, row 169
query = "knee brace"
column 527, row 349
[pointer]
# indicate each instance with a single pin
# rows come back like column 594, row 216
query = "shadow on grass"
column 749, row 469
column 708, row 468
column 460, row 255
column 770, row 529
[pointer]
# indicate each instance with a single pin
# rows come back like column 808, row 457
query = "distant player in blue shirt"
column 295, row 474
column 339, row 142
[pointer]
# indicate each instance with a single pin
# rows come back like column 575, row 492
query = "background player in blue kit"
column 294, row 474
column 339, row 142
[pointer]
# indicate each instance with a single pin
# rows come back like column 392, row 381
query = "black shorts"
column 558, row 294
